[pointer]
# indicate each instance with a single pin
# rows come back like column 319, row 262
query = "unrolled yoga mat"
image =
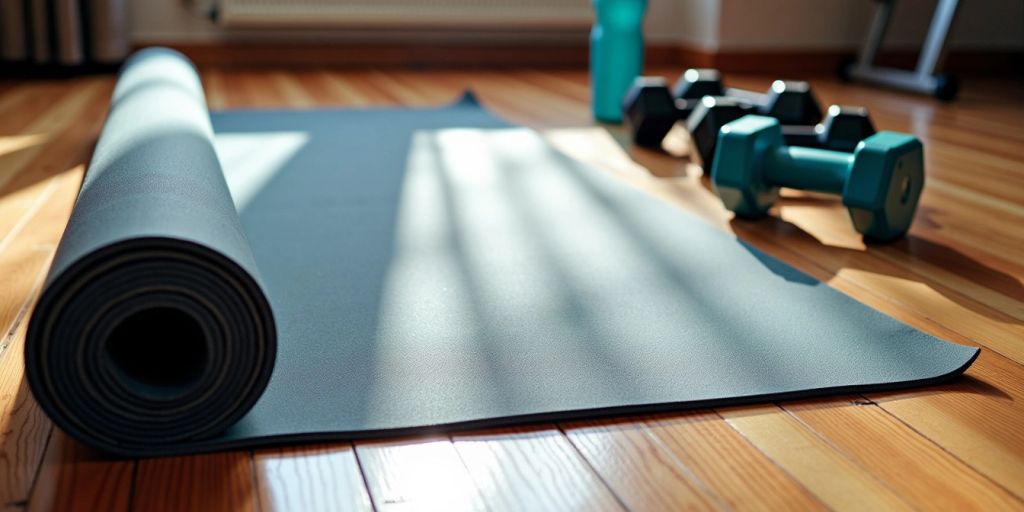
column 286, row 276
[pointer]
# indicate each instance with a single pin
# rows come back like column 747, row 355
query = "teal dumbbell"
column 880, row 182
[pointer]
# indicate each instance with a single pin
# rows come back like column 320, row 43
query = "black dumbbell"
column 649, row 110
column 841, row 130
column 695, row 83
column 789, row 101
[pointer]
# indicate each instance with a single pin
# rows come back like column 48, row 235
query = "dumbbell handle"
column 802, row 135
column 685, row 107
column 795, row 134
column 755, row 98
column 818, row 170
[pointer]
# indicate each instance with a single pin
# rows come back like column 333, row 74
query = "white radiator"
column 406, row 13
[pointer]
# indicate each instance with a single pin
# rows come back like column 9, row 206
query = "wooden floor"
column 958, row 275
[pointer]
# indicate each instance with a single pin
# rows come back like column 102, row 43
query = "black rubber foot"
column 843, row 69
column 947, row 87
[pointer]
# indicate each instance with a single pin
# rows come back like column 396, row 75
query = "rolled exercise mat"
column 292, row 276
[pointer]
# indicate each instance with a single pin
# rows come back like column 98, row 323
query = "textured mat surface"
column 338, row 274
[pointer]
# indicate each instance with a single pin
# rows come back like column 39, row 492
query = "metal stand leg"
column 923, row 79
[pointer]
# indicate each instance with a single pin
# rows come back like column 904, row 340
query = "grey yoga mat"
column 256, row 277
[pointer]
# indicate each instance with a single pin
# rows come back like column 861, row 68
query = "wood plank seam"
column 27, row 216
column 254, row 478
column 842, row 452
column 286, row 475
column 27, row 303
column 689, row 472
column 881, row 407
column 834, row 450
column 39, row 468
column 8, row 340
column 824, row 417
column 611, row 488
column 362, row 474
column 540, row 461
column 771, row 460
column 593, row 469
column 131, row 487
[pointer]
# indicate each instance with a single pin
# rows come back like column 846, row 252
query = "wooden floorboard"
column 421, row 474
column 73, row 477
column 325, row 478
column 218, row 481
column 533, row 468
column 958, row 275
column 915, row 467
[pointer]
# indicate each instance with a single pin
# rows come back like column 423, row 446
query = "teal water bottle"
column 616, row 54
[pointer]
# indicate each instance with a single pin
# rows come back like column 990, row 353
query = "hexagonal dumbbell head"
column 791, row 102
column 844, row 127
column 648, row 111
column 736, row 174
column 697, row 83
column 703, row 124
column 885, row 184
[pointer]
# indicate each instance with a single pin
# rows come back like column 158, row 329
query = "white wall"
column 692, row 23
column 167, row 21
column 842, row 24
column 736, row 25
